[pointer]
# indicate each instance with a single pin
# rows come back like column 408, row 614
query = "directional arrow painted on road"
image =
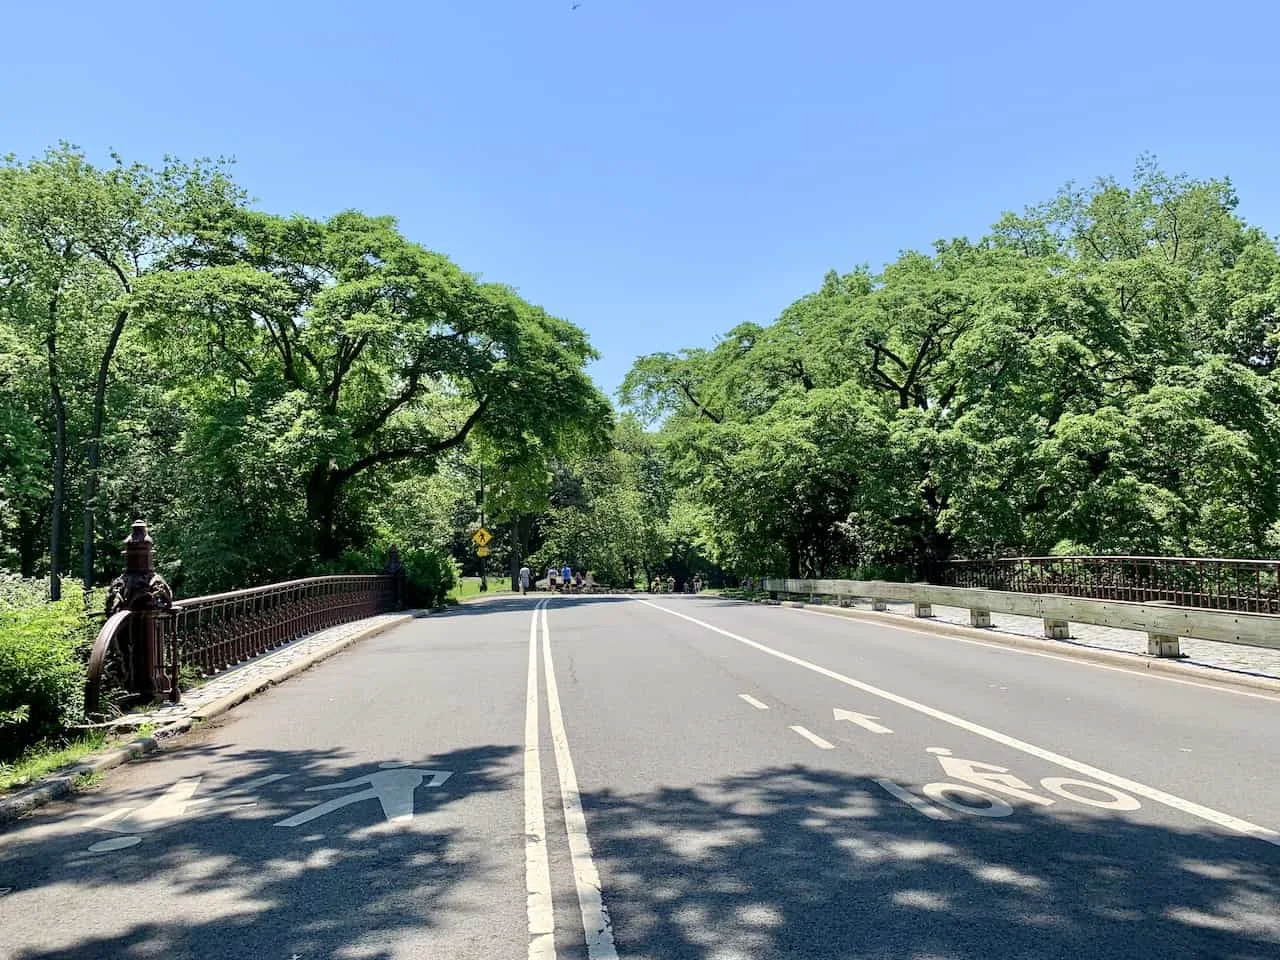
column 861, row 719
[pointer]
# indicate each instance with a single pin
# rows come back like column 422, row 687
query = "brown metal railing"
column 215, row 632
column 1251, row 586
column 148, row 638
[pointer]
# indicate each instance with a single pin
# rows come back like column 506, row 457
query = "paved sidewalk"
column 254, row 671
column 1207, row 653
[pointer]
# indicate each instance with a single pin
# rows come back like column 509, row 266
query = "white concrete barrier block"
column 979, row 618
column 1162, row 645
column 923, row 609
column 1057, row 629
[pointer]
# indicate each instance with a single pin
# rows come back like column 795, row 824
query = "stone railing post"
column 145, row 594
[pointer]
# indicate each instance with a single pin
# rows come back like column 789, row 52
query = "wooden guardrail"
column 1163, row 623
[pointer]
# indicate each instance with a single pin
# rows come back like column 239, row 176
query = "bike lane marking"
column 1045, row 655
column 1216, row 817
column 813, row 738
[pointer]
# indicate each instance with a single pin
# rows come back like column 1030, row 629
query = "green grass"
column 87, row 780
column 45, row 758
column 470, row 587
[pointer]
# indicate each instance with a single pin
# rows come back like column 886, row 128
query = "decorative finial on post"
column 139, row 549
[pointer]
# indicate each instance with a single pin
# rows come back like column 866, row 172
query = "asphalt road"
column 697, row 778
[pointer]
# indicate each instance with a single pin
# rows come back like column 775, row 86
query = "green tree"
column 338, row 348
column 74, row 239
column 1098, row 370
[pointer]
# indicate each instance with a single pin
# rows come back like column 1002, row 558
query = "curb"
column 62, row 784
column 1131, row 661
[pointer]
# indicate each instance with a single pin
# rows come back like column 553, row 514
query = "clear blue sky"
column 657, row 171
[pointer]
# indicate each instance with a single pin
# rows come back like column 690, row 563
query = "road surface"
column 691, row 778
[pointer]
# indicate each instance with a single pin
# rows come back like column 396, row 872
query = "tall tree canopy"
column 255, row 385
column 1099, row 373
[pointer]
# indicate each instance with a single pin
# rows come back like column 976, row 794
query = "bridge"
column 627, row 775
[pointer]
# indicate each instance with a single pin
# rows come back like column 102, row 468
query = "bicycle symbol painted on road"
column 984, row 790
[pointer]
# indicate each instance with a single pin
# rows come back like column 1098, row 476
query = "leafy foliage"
column 41, row 679
column 269, row 392
column 1098, row 371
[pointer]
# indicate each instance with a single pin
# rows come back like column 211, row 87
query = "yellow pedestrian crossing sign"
column 481, row 538
column 482, row 551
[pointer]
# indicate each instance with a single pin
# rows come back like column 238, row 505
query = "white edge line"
column 753, row 701
column 813, row 738
column 596, row 924
column 1208, row 814
column 1223, row 687
column 914, row 802
column 537, row 866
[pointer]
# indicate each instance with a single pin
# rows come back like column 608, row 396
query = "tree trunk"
column 95, row 438
column 28, row 543
column 59, row 465
column 516, row 554
column 322, row 503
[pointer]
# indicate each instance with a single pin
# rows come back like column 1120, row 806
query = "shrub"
column 428, row 577
column 41, row 675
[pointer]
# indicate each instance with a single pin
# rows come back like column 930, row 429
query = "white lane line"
column 1077, row 661
column 911, row 800
column 813, row 738
column 596, row 924
column 537, row 866
column 1208, row 814
column 753, row 701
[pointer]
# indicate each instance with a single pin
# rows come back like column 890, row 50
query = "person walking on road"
column 566, row 577
column 525, row 574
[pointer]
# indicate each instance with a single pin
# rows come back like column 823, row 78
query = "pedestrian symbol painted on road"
column 392, row 786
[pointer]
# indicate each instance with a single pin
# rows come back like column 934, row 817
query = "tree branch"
column 408, row 453
column 368, row 428
column 702, row 410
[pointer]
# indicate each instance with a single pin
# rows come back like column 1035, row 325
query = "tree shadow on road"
column 796, row 863
column 227, row 881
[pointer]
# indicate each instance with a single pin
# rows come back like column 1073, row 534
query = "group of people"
column 568, row 581
column 658, row 585
column 565, row 580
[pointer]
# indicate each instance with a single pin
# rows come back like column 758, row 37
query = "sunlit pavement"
column 696, row 778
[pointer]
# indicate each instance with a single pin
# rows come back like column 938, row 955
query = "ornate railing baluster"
column 1251, row 586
